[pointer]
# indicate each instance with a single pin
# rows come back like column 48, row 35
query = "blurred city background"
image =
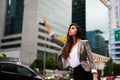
column 25, row 40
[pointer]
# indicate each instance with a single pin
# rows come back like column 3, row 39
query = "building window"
column 11, row 46
column 115, row 55
column 117, row 44
column 117, row 50
column 48, row 46
column 41, row 44
column 14, row 17
column 43, row 31
column 48, row 39
column 41, row 37
column 11, row 39
column 40, row 55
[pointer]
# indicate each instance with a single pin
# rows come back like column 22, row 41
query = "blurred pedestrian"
column 76, row 53
column 58, row 78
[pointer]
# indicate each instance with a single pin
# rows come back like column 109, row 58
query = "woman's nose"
column 70, row 29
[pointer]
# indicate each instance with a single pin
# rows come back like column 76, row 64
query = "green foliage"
column 50, row 63
column 108, row 70
column 37, row 63
column 116, row 69
column 2, row 56
column 111, row 69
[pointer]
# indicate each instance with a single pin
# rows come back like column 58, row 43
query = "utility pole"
column 44, row 57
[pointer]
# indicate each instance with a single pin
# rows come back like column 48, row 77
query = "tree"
column 111, row 69
column 108, row 70
column 2, row 56
column 50, row 63
column 37, row 64
column 116, row 69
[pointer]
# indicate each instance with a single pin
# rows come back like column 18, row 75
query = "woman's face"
column 73, row 30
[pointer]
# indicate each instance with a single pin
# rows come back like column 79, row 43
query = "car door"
column 8, row 71
column 25, row 74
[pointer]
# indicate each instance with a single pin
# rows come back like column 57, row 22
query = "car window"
column 24, row 71
column 9, row 68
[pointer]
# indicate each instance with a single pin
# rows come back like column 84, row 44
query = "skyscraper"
column 14, row 17
column 114, row 30
column 78, row 15
column 97, row 42
column 21, row 34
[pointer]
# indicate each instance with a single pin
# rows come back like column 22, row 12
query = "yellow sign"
column 63, row 38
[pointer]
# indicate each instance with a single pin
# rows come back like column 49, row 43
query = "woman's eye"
column 73, row 28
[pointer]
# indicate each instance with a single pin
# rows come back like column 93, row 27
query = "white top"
column 73, row 57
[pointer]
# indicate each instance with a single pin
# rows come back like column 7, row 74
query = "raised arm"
column 47, row 25
column 54, row 39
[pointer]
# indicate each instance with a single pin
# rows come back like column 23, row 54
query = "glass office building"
column 97, row 42
column 14, row 17
column 59, row 18
column 21, row 34
column 78, row 15
column 13, row 21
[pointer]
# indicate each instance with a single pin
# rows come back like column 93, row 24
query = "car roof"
column 4, row 62
column 8, row 62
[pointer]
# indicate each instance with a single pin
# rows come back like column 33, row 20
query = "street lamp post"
column 44, row 58
column 44, row 65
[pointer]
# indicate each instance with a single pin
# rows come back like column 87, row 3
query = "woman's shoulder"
column 84, row 41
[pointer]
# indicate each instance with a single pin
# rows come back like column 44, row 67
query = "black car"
column 13, row 71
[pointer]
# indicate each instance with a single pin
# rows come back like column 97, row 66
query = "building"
column 23, row 37
column 97, row 42
column 107, row 48
column 100, row 63
column 117, row 12
column 115, row 44
column 114, row 30
column 79, row 15
column 115, row 33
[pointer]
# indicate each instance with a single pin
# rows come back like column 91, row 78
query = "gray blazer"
column 84, row 54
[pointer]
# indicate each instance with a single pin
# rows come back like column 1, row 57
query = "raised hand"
column 44, row 18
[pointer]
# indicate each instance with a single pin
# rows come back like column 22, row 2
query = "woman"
column 76, row 53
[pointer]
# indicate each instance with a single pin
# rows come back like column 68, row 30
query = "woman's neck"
column 75, row 40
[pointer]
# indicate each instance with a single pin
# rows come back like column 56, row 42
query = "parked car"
column 103, row 78
column 110, row 78
column 13, row 71
column 50, row 76
column 117, row 78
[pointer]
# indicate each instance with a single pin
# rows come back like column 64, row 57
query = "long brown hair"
column 69, row 44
